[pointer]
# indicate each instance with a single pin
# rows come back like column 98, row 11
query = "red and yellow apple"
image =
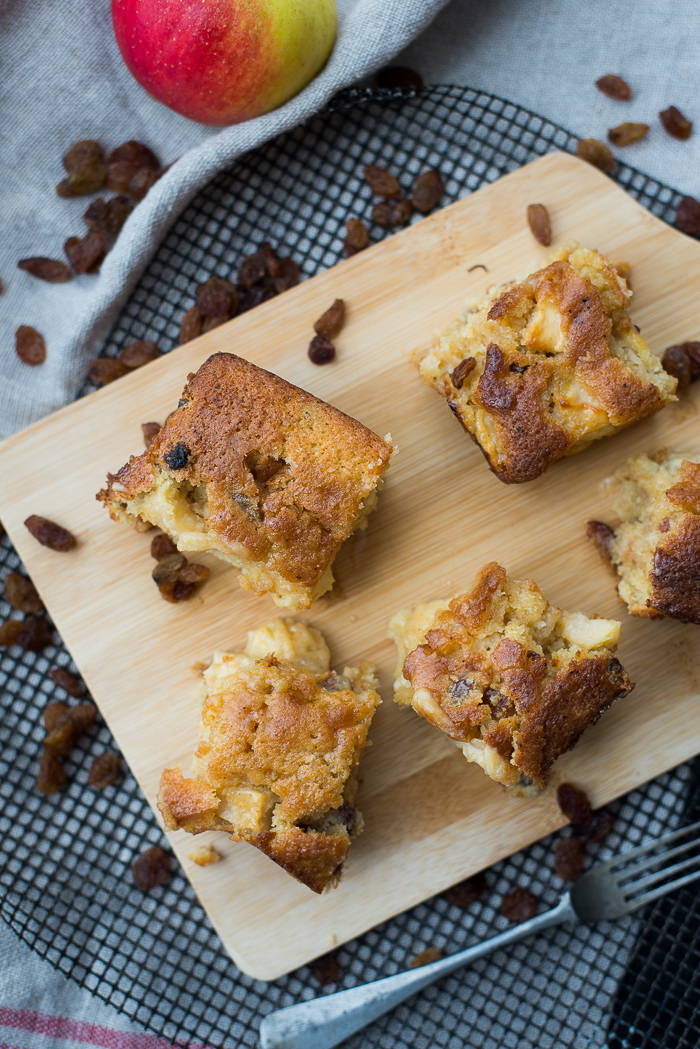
column 223, row 61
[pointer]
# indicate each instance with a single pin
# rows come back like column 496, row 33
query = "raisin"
column 136, row 354
column 104, row 370
column 398, row 76
column 67, row 681
column 86, row 167
column 389, row 215
column 321, row 350
column 132, row 169
column 595, row 153
column 177, row 457
column 168, row 569
column 191, row 325
column 86, row 253
column 614, row 87
column 288, row 275
column 601, row 534
column 162, row 546
column 688, row 216
column 150, row 431
column 569, row 856
column 255, row 295
column 83, row 716
column 52, row 270
column 141, row 182
column 217, row 297
column 20, row 593
column 209, row 323
column 36, row 633
column 252, row 270
column 325, row 969
column 574, row 803
column 135, row 153
column 194, row 573
column 675, row 123
column 519, row 905
column 427, row 190
column 64, row 191
column 52, row 776
column 67, row 729
column 50, row 534
column 538, row 221
column 29, row 345
column 272, row 263
column 683, row 361
column 53, row 712
column 625, row 134
column 105, row 770
column 151, row 868
column 356, row 237
column 382, row 182
column 461, row 371
column 9, row 632
column 108, row 215
column 597, row 829
column 331, row 322
column 466, row 892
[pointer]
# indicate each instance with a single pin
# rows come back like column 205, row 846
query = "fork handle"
column 326, row 1021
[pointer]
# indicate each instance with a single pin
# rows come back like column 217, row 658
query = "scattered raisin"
column 53, row 712
column 176, row 579
column 597, row 829
column 683, row 362
column 331, row 322
column 427, row 191
column 321, row 350
column 20, row 593
column 252, row 270
column 382, row 182
column 109, row 215
column 461, row 371
column 209, row 323
column 36, row 633
column 50, row 534
column 86, row 253
column 601, row 534
column 574, row 803
column 9, row 632
column 135, row 153
column 398, row 76
column 191, row 325
column 29, row 345
column 193, row 574
column 52, row 776
column 569, row 856
column 86, row 167
column 132, row 169
column 625, row 134
column 105, row 770
column 136, row 354
column 288, row 275
column 104, row 370
column 688, row 216
column 614, row 87
column 466, row 892
column 150, row 431
column 390, row 215
column 67, row 729
column 403, row 210
column 217, row 297
column 596, row 153
column 325, row 969
column 430, row 954
column 272, row 263
column 540, row 226
column 255, row 296
column 519, row 905
column 141, row 182
column 52, row 270
column 151, row 868
column 675, row 123
column 168, row 569
column 356, row 237
column 67, row 681
column 177, row 457
column 162, row 546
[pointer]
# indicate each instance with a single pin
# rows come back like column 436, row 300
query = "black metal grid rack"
column 65, row 884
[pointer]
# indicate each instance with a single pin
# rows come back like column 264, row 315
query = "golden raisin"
column 36, row 633
column 218, row 297
column 683, row 362
column 461, row 371
column 466, row 892
column 104, row 370
column 688, row 216
column 52, row 270
column 252, row 270
column 675, row 123
column 569, row 857
column 321, row 350
column 29, row 345
column 331, row 322
column 50, row 534
column 136, row 354
column 614, row 87
column 209, row 323
column 150, row 430
column 52, row 776
column 595, row 153
column 389, row 215
column 627, row 133
column 519, row 905
column 288, row 275
column 574, row 803
column 356, row 237
column 86, row 253
column 191, row 325
column 538, row 221
column 67, row 681
column 86, row 167
column 67, row 729
column 162, row 546
column 601, row 534
column 382, row 182
column 105, row 770
column 430, row 954
column 151, row 868
column 427, row 190
column 20, row 593
column 597, row 829
column 325, row 969
column 53, row 712
column 9, row 632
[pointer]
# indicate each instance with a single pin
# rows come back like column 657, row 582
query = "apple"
column 223, row 61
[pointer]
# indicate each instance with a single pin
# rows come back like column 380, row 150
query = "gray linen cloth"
column 63, row 80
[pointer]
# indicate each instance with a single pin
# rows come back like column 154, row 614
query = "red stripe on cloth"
column 78, row 1031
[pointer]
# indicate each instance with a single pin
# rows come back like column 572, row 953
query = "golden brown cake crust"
column 502, row 667
column 275, row 474
column 558, row 363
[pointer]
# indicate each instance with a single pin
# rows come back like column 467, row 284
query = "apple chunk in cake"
column 655, row 549
column 258, row 472
column 282, row 736
column 542, row 367
column 511, row 679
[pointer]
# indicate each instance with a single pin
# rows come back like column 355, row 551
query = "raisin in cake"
column 542, row 367
column 511, row 679
column 258, row 472
column 282, row 736
column 655, row 549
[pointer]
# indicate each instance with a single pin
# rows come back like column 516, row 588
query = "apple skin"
column 224, row 61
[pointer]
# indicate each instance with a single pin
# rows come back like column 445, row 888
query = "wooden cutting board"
column 431, row 818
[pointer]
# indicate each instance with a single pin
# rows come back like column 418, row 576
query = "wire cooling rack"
column 65, row 884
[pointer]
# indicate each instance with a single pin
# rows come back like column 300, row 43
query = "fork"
column 609, row 890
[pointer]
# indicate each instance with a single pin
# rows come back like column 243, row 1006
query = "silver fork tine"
column 629, row 872
column 643, row 850
column 651, row 879
column 662, row 890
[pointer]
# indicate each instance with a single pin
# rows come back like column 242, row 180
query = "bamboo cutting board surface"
column 431, row 818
